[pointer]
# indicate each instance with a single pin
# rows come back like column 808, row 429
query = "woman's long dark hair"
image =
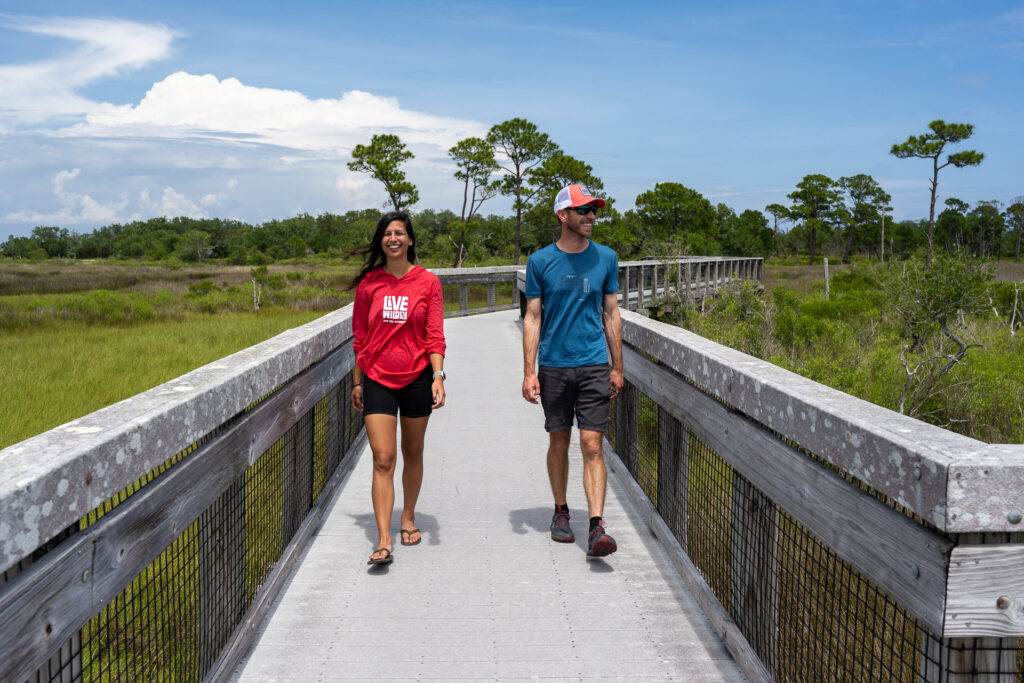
column 374, row 251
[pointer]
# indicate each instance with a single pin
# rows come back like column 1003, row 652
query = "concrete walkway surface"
column 487, row 595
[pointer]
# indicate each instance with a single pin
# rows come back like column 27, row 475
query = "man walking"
column 574, row 282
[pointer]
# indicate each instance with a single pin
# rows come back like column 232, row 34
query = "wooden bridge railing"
column 684, row 280
column 826, row 537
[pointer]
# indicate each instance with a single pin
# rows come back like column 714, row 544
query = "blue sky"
column 114, row 111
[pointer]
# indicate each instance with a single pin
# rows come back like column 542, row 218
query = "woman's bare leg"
column 381, row 432
column 414, row 430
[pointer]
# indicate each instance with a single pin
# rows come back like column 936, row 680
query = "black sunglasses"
column 584, row 210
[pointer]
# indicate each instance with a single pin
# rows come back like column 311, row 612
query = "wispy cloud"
column 39, row 91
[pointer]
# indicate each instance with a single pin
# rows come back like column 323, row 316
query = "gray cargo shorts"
column 584, row 391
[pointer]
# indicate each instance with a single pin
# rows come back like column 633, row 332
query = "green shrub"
column 853, row 342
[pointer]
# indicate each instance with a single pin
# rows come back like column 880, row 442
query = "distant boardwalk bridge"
column 216, row 527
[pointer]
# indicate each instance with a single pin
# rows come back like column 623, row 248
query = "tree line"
column 842, row 217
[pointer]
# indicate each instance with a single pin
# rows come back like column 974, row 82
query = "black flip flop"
column 386, row 559
column 407, row 533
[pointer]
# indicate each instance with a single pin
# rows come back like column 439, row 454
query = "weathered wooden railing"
column 826, row 538
column 492, row 277
column 146, row 541
column 689, row 279
column 684, row 280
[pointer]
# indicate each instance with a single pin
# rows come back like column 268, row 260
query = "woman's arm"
column 435, row 343
column 356, row 397
column 360, row 310
column 437, row 388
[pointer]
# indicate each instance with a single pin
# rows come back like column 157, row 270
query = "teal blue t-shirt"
column 572, row 288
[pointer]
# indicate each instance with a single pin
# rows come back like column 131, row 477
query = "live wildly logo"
column 396, row 309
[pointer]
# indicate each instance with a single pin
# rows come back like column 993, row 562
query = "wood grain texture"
column 40, row 608
column 985, row 594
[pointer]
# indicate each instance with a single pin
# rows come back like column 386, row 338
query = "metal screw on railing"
column 1014, row 517
column 1003, row 602
column 917, row 472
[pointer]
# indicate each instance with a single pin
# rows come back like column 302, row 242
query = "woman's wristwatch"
column 440, row 373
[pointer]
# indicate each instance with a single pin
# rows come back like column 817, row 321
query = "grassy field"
column 61, row 277
column 804, row 279
column 79, row 336
column 56, row 373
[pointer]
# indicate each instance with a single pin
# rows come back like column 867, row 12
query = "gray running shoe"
column 599, row 543
column 560, row 529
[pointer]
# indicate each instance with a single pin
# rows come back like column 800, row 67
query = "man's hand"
column 616, row 382
column 531, row 388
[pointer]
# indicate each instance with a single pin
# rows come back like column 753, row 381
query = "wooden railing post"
column 490, row 296
column 626, row 428
column 972, row 660
column 754, row 573
column 463, row 297
column 222, row 587
column 335, row 410
column 673, row 474
column 640, row 291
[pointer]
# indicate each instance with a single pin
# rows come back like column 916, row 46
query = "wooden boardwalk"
column 487, row 595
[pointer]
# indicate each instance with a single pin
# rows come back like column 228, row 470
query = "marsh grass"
column 56, row 373
column 65, row 276
column 852, row 341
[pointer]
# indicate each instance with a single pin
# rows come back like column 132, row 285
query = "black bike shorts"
column 413, row 400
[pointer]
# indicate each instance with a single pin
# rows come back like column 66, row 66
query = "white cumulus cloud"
column 186, row 105
column 73, row 208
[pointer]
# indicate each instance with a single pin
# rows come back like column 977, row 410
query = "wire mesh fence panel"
column 264, row 514
column 709, row 511
column 151, row 630
column 646, row 444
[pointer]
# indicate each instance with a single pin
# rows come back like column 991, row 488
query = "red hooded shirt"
column 397, row 324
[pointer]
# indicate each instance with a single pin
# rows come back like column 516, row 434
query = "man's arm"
column 613, row 335
column 531, row 341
